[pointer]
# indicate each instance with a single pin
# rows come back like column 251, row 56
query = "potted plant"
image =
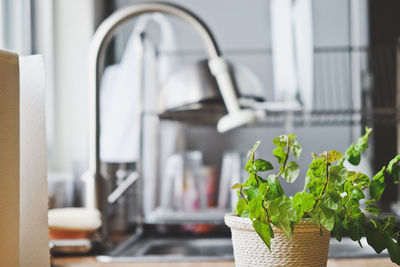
column 272, row 229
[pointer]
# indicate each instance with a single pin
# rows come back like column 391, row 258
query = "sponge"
column 75, row 219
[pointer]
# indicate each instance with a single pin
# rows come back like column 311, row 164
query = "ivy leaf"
column 251, row 181
column 284, row 209
column 261, row 165
column 324, row 216
column 285, row 226
column 337, row 229
column 237, row 186
column 353, row 209
column 256, row 145
column 334, row 156
column 355, row 227
column 317, row 168
column 353, row 153
column 394, row 168
column 362, row 179
column 263, row 188
column 351, row 176
column 315, row 186
column 392, row 247
column 324, row 155
column 348, row 187
column 389, row 223
column 256, row 209
column 251, row 192
column 374, row 210
column 369, row 201
column 291, row 172
column 280, row 154
column 281, row 141
column 362, row 142
column 377, row 185
column 296, row 148
column 250, row 155
column 275, row 188
column 337, row 175
column 374, row 236
column 303, row 199
column 303, row 202
column 249, row 165
column 282, row 213
column 252, row 151
column 353, row 156
column 264, row 231
column 357, row 194
column 331, row 200
column 241, row 206
column 327, row 218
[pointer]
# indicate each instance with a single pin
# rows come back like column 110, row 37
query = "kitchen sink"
column 192, row 248
column 171, row 249
column 211, row 249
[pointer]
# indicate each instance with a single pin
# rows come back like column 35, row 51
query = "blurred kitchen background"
column 321, row 69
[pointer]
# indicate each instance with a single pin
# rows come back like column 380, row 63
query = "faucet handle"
column 125, row 185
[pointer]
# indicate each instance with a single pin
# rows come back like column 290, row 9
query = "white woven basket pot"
column 306, row 248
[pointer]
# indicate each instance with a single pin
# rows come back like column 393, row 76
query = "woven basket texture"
column 307, row 248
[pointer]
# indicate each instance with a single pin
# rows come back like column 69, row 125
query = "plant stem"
column 266, row 211
column 241, row 194
column 255, row 176
column 285, row 162
column 326, row 183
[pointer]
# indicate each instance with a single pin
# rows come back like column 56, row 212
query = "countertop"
column 90, row 262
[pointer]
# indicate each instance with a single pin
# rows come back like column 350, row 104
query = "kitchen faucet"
column 235, row 117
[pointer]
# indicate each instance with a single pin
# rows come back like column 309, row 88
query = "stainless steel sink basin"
column 210, row 249
column 172, row 249
column 190, row 248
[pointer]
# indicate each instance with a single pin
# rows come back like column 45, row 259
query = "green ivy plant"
column 331, row 197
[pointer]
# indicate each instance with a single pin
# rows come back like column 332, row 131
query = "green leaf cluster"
column 353, row 153
column 332, row 194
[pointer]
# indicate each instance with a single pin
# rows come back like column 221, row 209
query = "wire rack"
column 352, row 85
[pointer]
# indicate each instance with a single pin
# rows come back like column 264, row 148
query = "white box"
column 23, row 183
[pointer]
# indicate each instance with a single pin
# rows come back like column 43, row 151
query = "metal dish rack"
column 352, row 86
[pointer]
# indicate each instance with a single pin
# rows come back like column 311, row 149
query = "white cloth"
column 292, row 50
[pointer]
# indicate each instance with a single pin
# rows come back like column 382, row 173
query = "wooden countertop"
column 90, row 262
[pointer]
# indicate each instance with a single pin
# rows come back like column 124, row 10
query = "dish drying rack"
column 344, row 94
column 352, row 86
